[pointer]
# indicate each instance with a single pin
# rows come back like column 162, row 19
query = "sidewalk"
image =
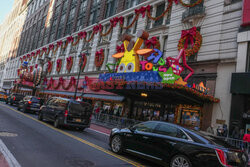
column 6, row 158
column 100, row 128
column 3, row 162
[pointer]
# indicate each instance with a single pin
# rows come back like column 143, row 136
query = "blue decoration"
column 143, row 76
column 154, row 57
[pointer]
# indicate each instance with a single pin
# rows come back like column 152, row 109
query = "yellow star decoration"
column 180, row 82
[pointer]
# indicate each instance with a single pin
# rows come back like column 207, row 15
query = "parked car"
column 174, row 146
column 14, row 98
column 30, row 103
column 66, row 112
column 2, row 95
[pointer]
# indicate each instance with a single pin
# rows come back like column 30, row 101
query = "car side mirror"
column 132, row 129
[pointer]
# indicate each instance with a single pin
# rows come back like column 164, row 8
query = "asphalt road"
column 38, row 144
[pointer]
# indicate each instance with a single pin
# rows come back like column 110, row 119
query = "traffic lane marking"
column 79, row 139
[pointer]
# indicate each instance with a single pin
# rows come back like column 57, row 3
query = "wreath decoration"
column 192, row 35
column 83, row 60
column 191, row 5
column 58, row 65
column 153, row 42
column 50, row 66
column 99, row 58
column 69, row 63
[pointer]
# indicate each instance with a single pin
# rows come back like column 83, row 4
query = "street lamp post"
column 79, row 73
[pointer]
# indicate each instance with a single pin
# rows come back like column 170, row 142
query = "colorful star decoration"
column 168, row 77
column 180, row 82
column 175, row 64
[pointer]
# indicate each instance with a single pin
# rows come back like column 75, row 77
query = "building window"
column 111, row 7
column 81, row 15
column 131, row 30
column 131, row 3
column 95, row 12
column 159, row 10
column 248, row 58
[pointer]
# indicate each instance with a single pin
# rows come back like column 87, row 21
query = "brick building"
column 50, row 21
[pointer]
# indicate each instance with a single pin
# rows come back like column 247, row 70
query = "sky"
column 5, row 8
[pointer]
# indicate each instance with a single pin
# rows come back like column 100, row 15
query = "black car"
column 30, row 103
column 14, row 98
column 66, row 112
column 174, row 146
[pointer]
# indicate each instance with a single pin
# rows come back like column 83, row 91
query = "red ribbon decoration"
column 36, row 65
column 73, row 80
column 175, row 1
column 24, row 57
column 61, row 80
column 21, row 59
column 59, row 43
column 51, row 46
column 189, row 34
column 82, row 34
column 38, row 51
column 97, row 28
column 115, row 20
column 99, row 58
column 151, row 42
column 58, row 62
column 69, row 59
column 70, row 39
column 32, row 54
column 49, row 66
column 44, row 49
column 28, row 56
column 120, row 49
column 143, row 10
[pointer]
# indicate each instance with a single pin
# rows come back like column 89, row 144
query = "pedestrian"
column 236, row 133
column 210, row 129
column 97, row 112
column 225, row 130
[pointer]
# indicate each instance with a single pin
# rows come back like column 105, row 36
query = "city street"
column 37, row 144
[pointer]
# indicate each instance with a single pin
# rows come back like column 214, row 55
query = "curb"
column 12, row 162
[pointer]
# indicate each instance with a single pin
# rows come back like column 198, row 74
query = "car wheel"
column 116, row 144
column 40, row 116
column 18, row 108
column 24, row 109
column 56, row 123
column 180, row 161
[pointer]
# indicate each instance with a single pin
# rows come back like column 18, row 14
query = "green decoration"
column 169, row 77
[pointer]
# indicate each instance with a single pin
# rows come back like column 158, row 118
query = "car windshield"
column 36, row 100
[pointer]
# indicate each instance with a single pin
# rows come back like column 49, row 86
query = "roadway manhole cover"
column 7, row 134
column 76, row 162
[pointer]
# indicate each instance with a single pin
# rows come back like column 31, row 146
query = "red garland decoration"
column 70, row 39
column 69, row 63
column 18, row 72
column 28, row 56
column 120, row 49
column 83, row 60
column 36, row 65
column 50, row 66
column 59, row 43
column 21, row 59
column 190, row 5
column 24, row 58
column 115, row 20
column 190, row 35
column 143, row 10
column 58, row 65
column 82, row 34
column 97, row 28
column 51, row 46
column 31, row 68
column 154, row 42
column 70, row 84
column 38, row 52
column 33, row 54
column 99, row 58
